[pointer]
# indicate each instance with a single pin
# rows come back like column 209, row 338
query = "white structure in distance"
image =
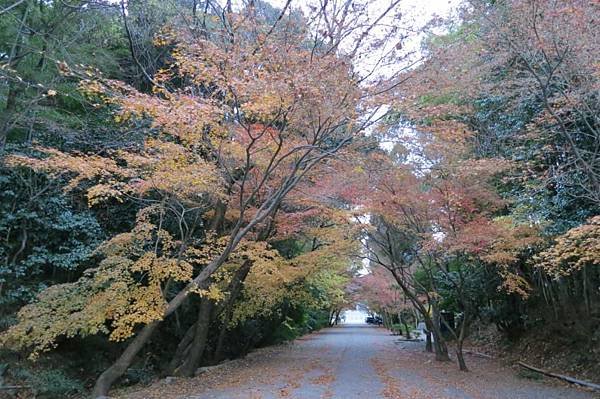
column 354, row 316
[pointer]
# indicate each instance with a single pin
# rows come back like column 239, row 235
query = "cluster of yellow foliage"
column 162, row 166
column 124, row 291
column 510, row 243
column 576, row 249
column 78, row 167
column 274, row 279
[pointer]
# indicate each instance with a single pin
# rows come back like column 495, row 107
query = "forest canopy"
column 184, row 181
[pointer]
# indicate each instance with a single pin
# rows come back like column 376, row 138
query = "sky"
column 415, row 15
column 418, row 12
column 422, row 8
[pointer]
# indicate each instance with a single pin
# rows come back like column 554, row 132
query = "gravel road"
column 355, row 361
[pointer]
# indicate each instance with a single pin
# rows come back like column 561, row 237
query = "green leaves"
column 44, row 240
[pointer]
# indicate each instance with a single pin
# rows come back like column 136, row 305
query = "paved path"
column 356, row 362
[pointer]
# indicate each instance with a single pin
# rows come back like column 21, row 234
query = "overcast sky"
column 416, row 13
column 422, row 10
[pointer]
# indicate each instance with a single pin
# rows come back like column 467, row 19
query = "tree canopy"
column 193, row 179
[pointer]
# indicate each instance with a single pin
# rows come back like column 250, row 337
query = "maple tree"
column 201, row 178
column 576, row 251
column 487, row 115
column 433, row 225
column 238, row 118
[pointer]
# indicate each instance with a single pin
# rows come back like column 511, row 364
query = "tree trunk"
column 7, row 113
column 407, row 328
column 439, row 343
column 459, row 355
column 234, row 292
column 428, row 343
column 441, row 350
column 217, row 221
column 586, row 295
column 14, row 59
column 114, row 372
column 460, row 338
column 182, row 349
column 192, row 360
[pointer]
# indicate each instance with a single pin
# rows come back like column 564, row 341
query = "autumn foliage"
column 249, row 172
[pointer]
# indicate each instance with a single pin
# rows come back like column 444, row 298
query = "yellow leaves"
column 273, row 279
column 160, row 269
column 82, row 167
column 514, row 283
column 103, row 192
column 165, row 37
column 180, row 177
column 164, row 166
column 510, row 242
column 213, row 292
column 210, row 249
column 576, row 249
column 92, row 87
column 124, row 291
column 174, row 169
column 146, row 304
column 61, row 310
column 265, row 106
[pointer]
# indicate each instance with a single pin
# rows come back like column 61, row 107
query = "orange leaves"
column 264, row 106
column 508, row 247
column 510, row 241
column 83, row 167
column 174, row 169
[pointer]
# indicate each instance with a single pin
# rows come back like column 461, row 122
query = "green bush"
column 48, row 384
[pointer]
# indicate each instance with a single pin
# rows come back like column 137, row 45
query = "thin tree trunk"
column 407, row 328
column 114, row 372
column 439, row 344
column 586, row 295
column 441, row 350
column 194, row 355
column 428, row 343
column 234, row 292
column 459, row 342
column 182, row 349
column 217, row 221
column 13, row 91
column 462, row 365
